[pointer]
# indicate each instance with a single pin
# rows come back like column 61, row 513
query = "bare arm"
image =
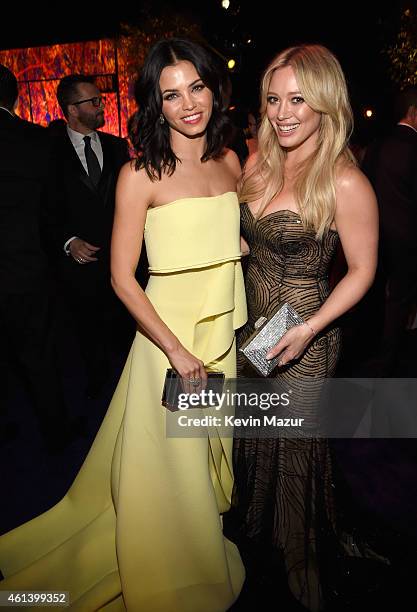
column 134, row 193
column 357, row 224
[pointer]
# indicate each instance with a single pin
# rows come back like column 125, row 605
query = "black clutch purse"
column 174, row 397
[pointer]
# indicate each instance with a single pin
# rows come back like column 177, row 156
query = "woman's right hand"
column 189, row 368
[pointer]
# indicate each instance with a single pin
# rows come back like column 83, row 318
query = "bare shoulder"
column 128, row 171
column 349, row 178
column 354, row 192
column 134, row 185
column 232, row 161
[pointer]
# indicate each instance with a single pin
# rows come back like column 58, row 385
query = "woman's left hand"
column 292, row 344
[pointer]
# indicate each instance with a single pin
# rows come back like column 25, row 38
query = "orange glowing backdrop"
column 39, row 69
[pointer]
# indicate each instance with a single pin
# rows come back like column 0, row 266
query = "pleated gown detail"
column 140, row 528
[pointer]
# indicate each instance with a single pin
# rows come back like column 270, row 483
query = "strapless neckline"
column 277, row 212
column 274, row 212
column 193, row 232
column 184, row 199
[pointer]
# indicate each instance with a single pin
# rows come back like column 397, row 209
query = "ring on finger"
column 194, row 381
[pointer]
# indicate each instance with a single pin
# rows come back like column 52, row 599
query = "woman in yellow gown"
column 140, row 528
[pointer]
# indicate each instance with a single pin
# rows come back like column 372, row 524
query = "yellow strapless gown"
column 139, row 528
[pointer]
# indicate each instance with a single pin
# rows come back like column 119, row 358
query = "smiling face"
column 295, row 123
column 186, row 102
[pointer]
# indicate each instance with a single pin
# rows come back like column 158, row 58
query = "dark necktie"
column 94, row 170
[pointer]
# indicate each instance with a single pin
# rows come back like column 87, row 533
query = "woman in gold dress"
column 140, row 528
column 301, row 194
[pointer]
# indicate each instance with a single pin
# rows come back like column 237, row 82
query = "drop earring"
column 161, row 119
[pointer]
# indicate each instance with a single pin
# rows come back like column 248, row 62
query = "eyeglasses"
column 96, row 101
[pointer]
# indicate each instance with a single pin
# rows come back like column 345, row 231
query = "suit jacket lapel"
column 75, row 161
column 106, row 172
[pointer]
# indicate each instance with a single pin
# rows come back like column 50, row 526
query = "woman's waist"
column 192, row 284
column 200, row 293
column 271, row 279
column 284, row 269
column 183, row 265
column 305, row 299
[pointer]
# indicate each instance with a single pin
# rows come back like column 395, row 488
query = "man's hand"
column 82, row 251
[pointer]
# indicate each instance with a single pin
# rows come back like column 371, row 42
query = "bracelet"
column 311, row 328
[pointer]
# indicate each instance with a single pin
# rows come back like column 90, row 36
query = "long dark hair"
column 150, row 138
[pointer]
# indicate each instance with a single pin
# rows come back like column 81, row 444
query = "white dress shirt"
column 78, row 143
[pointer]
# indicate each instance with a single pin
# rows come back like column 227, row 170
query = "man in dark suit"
column 391, row 166
column 26, row 302
column 82, row 183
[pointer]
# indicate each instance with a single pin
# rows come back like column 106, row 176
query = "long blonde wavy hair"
column 323, row 86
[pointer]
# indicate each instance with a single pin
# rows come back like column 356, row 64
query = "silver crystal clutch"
column 268, row 332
